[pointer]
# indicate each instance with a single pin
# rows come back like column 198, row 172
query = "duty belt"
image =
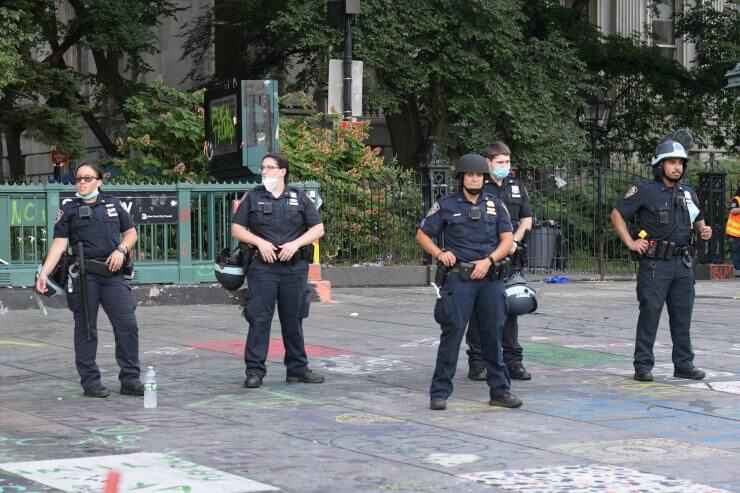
column 498, row 270
column 664, row 250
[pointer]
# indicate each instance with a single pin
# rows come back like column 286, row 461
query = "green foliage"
column 464, row 70
column 367, row 204
column 16, row 31
column 163, row 138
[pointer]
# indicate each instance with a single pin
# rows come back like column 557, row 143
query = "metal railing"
column 373, row 223
column 178, row 251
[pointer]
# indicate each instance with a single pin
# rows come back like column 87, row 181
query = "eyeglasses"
column 86, row 178
column 268, row 168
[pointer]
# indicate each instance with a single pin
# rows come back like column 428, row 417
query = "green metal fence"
column 180, row 251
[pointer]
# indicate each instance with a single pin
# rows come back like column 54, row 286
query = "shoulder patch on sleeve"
column 435, row 208
column 59, row 217
column 631, row 192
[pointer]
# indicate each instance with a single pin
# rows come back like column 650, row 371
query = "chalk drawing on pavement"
column 732, row 387
column 140, row 471
column 451, row 460
column 636, row 450
column 593, row 478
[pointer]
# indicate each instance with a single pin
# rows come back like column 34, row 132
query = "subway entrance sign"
column 241, row 126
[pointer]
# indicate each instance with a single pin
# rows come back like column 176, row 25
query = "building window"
column 664, row 28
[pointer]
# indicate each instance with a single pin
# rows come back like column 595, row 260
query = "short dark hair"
column 281, row 161
column 93, row 166
column 497, row 149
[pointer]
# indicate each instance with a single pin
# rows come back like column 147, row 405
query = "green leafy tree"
column 164, row 137
column 41, row 94
column 367, row 202
column 37, row 98
column 456, row 73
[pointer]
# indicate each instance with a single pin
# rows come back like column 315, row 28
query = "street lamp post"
column 341, row 13
column 594, row 115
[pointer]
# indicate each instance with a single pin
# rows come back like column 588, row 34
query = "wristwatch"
column 122, row 250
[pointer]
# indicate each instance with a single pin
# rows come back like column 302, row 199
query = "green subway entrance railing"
column 178, row 248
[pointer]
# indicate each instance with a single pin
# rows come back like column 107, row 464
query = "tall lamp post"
column 341, row 13
column 595, row 114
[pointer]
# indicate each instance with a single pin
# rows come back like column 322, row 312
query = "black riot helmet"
column 520, row 299
column 471, row 163
column 54, row 281
column 229, row 270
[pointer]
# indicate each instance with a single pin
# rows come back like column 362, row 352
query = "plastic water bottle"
column 150, row 388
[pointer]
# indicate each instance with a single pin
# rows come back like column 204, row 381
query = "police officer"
column 279, row 220
column 477, row 233
column 107, row 233
column 666, row 210
column 512, row 193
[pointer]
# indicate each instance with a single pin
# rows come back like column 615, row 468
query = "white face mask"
column 270, row 184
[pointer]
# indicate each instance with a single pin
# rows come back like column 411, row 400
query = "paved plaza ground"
column 585, row 425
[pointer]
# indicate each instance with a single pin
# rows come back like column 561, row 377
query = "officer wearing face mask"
column 512, row 193
column 477, row 234
column 280, row 221
column 99, row 232
column 666, row 210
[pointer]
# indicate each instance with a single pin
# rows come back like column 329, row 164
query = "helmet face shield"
column 520, row 299
column 229, row 271
column 668, row 149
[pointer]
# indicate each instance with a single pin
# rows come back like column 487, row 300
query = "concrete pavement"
column 585, row 424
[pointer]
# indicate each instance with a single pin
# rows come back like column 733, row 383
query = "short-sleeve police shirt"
column 657, row 212
column 100, row 232
column 277, row 220
column 513, row 194
column 468, row 239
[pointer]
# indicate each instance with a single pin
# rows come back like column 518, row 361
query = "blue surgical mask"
column 89, row 196
column 501, row 173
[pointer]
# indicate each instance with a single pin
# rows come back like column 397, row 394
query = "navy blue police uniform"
column 665, row 214
column 99, row 231
column 277, row 220
column 514, row 195
column 469, row 239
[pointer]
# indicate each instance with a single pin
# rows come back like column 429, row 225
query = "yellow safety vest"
column 733, row 222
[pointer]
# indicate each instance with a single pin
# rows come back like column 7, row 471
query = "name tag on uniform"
column 490, row 208
column 111, row 210
column 515, row 193
column 457, row 214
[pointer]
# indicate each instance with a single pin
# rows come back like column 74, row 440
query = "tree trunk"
column 439, row 130
column 407, row 136
column 15, row 157
column 97, row 129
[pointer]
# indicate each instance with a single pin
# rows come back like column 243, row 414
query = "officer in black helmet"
column 514, row 195
column 279, row 220
column 100, row 232
column 666, row 210
column 477, row 233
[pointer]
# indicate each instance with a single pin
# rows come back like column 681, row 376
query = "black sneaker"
column 308, row 377
column 477, row 373
column 643, row 376
column 689, row 373
column 519, row 373
column 253, row 381
column 438, row 404
column 505, row 400
column 136, row 388
column 98, row 392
